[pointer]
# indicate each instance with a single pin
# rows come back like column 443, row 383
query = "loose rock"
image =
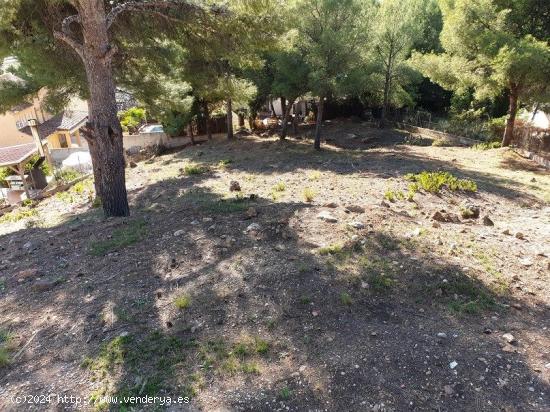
column 509, row 338
column 355, row 209
column 234, row 186
column 327, row 217
column 487, row 221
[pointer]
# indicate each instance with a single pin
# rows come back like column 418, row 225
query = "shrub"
column 487, row 145
column 331, row 250
column 132, row 119
column 194, row 170
column 279, row 187
column 309, row 195
column 392, row 196
column 45, row 167
column 182, row 302
column 18, row 214
column 67, row 175
column 346, row 299
column 433, row 182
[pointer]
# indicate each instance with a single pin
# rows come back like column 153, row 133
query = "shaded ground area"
column 250, row 301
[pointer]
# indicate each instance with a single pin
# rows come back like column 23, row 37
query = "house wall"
column 136, row 142
column 9, row 134
column 9, row 122
column 58, row 155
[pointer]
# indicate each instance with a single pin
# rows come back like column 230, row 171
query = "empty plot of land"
column 370, row 275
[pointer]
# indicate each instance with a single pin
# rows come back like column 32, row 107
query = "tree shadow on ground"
column 275, row 157
column 266, row 319
column 515, row 162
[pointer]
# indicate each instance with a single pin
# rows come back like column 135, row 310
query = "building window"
column 62, row 141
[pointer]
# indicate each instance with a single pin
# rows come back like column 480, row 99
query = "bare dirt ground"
column 249, row 301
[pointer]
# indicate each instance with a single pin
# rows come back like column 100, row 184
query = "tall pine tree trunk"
column 207, row 118
column 190, row 133
column 387, row 85
column 287, row 111
column 283, row 105
column 510, row 122
column 229, row 119
column 103, row 131
column 320, row 110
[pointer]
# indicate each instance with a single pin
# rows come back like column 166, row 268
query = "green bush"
column 433, row 182
column 132, row 119
column 67, row 175
column 5, row 172
column 45, row 167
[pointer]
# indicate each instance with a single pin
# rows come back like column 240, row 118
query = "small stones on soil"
column 355, row 209
column 453, row 364
column 357, row 225
column 180, row 232
column 509, row 338
column 254, row 227
column 487, row 221
column 526, row 262
column 469, row 210
column 327, row 217
column 442, row 335
column 331, row 205
column 251, row 212
column 234, row 186
column 448, row 390
column 520, row 236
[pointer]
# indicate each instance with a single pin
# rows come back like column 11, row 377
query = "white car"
column 152, row 128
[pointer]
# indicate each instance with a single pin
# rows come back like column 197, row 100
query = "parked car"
column 152, row 128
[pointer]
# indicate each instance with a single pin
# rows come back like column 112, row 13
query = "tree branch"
column 67, row 35
column 156, row 7
column 71, row 41
column 66, row 25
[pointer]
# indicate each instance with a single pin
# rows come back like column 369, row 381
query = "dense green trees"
column 332, row 34
column 489, row 53
column 397, row 28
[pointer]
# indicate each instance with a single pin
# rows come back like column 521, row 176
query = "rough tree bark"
column 190, row 133
column 288, row 109
column 320, row 110
column 103, row 131
column 206, row 111
column 229, row 119
column 387, row 88
column 512, row 111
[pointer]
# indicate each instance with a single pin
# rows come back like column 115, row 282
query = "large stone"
column 234, row 186
column 254, row 227
column 355, row 209
column 44, row 285
column 327, row 217
column 357, row 225
column 442, row 216
column 469, row 210
column 251, row 212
